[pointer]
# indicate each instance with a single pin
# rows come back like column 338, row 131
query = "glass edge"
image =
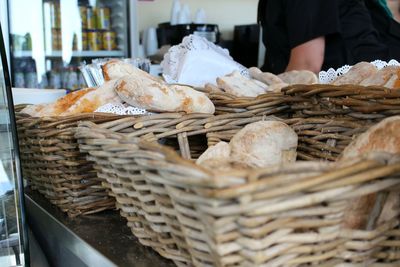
column 19, row 181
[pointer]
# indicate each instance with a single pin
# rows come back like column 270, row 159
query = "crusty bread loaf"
column 141, row 92
column 94, row 99
column 356, row 74
column 192, row 101
column 115, row 69
column 58, row 107
column 388, row 77
column 238, row 85
column 298, row 77
column 382, row 137
column 265, row 77
column 264, row 143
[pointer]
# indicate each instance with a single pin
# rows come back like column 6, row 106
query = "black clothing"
column 348, row 27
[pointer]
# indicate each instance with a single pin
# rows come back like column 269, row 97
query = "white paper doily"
column 197, row 61
column 331, row 74
column 121, row 109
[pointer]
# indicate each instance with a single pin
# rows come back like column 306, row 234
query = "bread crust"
column 356, row 74
column 382, row 137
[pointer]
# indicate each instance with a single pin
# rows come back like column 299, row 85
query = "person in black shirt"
column 317, row 35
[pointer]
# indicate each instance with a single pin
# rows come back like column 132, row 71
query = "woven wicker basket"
column 251, row 218
column 197, row 218
column 353, row 101
column 135, row 197
column 268, row 104
column 182, row 211
column 53, row 165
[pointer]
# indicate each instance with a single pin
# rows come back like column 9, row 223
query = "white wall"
column 225, row 13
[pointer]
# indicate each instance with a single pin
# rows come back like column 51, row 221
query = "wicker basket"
column 53, row 165
column 268, row 104
column 252, row 218
column 353, row 101
column 196, row 218
column 135, row 197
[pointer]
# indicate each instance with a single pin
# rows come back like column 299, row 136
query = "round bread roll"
column 220, row 151
column 264, row 143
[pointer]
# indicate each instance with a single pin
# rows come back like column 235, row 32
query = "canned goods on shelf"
column 103, row 18
column 83, row 13
column 109, row 40
column 55, row 15
column 90, row 18
column 75, row 42
column 56, row 41
column 85, row 40
column 94, row 40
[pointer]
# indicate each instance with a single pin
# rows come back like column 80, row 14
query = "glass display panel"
column 11, row 230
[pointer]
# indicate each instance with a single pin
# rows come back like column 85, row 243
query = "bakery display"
column 127, row 84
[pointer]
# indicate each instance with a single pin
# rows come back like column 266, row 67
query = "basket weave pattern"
column 371, row 103
column 54, row 166
column 136, row 196
column 253, row 218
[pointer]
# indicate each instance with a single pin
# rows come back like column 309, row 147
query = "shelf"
column 22, row 53
column 103, row 53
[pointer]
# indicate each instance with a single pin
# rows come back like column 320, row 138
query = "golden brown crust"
column 382, row 137
column 105, row 69
column 70, row 99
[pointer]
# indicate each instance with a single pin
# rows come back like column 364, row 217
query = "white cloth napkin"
column 196, row 61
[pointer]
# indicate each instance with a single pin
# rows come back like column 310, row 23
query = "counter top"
column 101, row 239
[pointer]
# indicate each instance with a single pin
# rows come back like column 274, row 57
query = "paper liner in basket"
column 197, row 61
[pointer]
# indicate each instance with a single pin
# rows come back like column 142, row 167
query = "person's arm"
column 308, row 56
